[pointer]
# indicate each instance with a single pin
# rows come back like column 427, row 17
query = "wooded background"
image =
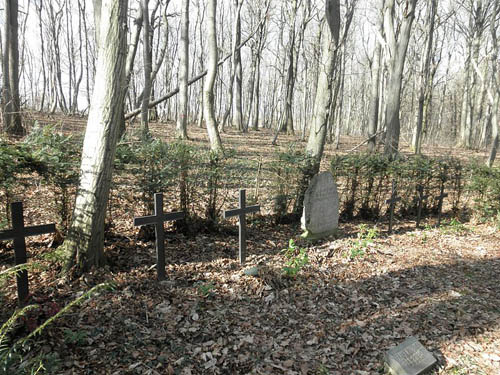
column 449, row 91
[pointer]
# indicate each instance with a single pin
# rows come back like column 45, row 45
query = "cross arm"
column 7, row 235
column 29, row 231
column 146, row 220
column 174, row 216
column 40, row 229
column 240, row 211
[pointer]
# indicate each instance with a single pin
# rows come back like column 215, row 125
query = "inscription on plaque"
column 409, row 358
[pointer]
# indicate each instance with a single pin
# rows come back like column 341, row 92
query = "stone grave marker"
column 392, row 201
column 18, row 233
column 421, row 197
column 320, row 216
column 157, row 220
column 241, row 213
column 441, row 196
column 409, row 358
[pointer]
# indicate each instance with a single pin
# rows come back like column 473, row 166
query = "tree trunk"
column 208, row 87
column 251, row 84
column 147, row 70
column 397, row 45
column 425, row 84
column 494, row 132
column 494, row 97
column 287, row 125
column 85, row 241
column 182, row 111
column 42, row 55
column 11, row 105
column 317, row 134
column 374, row 98
column 238, row 72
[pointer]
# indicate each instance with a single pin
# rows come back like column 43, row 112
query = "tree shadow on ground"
column 315, row 322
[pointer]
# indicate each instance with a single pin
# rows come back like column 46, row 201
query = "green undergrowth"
column 365, row 182
column 18, row 355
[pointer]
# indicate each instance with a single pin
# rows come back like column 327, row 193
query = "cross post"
column 18, row 233
column 241, row 213
column 157, row 220
column 441, row 196
column 421, row 197
column 394, row 199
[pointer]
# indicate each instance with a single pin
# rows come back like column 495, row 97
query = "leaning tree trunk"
column 11, row 105
column 208, row 87
column 85, row 241
column 182, row 113
column 397, row 45
column 319, row 126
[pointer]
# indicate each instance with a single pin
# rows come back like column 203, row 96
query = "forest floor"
column 355, row 299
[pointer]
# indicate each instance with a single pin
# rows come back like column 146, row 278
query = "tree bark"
column 494, row 97
column 238, row 71
column 42, row 55
column 85, row 241
column 424, row 79
column 397, row 45
column 374, row 98
column 208, row 87
column 147, row 70
column 317, row 135
column 182, row 112
column 10, row 94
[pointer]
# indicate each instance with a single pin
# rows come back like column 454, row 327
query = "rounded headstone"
column 320, row 216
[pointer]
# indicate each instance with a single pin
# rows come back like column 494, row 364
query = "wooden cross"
column 441, row 196
column 421, row 197
column 157, row 220
column 394, row 199
column 241, row 212
column 18, row 233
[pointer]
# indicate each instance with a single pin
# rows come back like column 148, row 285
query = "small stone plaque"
column 320, row 217
column 409, row 358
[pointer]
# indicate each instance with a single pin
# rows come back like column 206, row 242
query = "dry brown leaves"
column 338, row 316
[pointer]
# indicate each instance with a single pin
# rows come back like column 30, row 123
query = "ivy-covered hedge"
column 202, row 183
column 194, row 180
column 365, row 182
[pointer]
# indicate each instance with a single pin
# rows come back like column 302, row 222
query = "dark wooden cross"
column 441, row 196
column 18, row 233
column 241, row 212
column 394, row 199
column 157, row 220
column 421, row 197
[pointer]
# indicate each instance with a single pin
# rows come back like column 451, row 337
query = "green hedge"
column 364, row 181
